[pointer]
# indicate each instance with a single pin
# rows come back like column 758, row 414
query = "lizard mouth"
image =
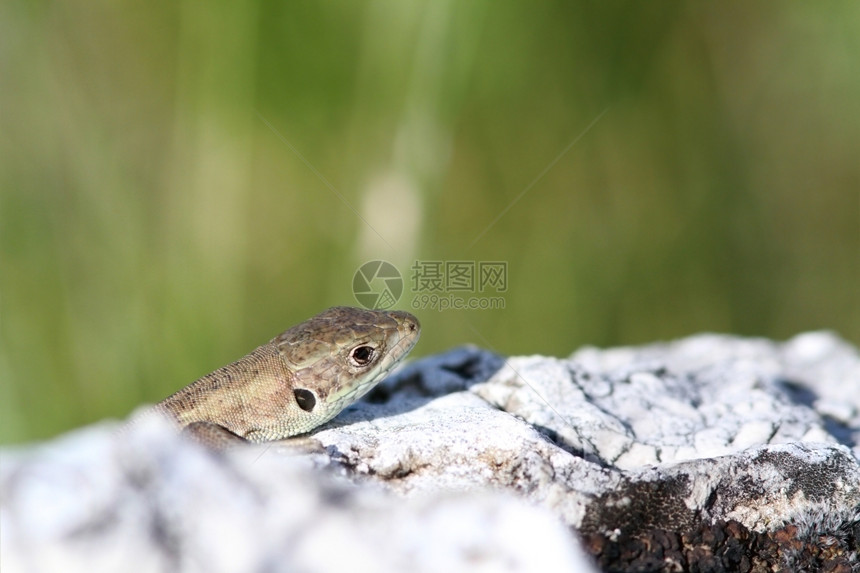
column 409, row 331
column 407, row 334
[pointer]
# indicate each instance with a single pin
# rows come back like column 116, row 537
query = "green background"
column 183, row 180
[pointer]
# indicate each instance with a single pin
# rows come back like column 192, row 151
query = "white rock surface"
column 147, row 501
column 709, row 427
column 609, row 441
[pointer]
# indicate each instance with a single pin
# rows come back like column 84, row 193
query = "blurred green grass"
column 153, row 226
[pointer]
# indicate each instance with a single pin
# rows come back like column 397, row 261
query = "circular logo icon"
column 377, row 285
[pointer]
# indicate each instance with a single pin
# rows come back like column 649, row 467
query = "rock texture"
column 709, row 453
column 144, row 500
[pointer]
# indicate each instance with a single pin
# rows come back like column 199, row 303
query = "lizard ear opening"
column 305, row 399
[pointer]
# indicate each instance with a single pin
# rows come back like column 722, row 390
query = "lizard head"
column 337, row 356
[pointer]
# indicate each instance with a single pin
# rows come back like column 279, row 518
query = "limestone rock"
column 680, row 455
column 147, row 500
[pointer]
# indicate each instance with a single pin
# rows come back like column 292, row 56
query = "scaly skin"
column 296, row 382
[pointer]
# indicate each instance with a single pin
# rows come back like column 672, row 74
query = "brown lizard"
column 297, row 381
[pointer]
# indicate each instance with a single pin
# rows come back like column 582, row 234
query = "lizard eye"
column 305, row 399
column 362, row 355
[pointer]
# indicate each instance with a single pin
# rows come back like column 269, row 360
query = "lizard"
column 297, row 381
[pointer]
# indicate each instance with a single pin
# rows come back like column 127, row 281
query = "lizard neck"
column 230, row 395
